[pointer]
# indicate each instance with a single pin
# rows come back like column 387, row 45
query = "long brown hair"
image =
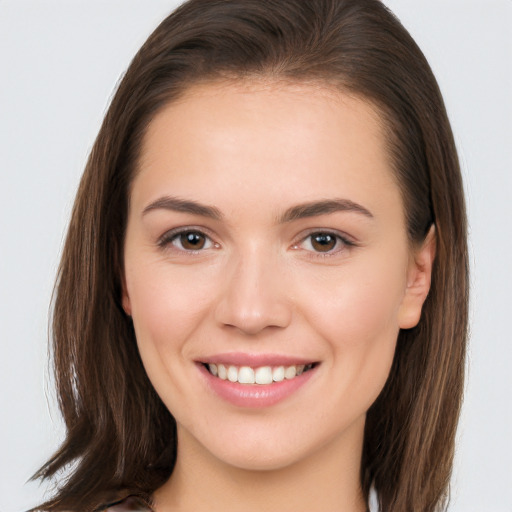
column 120, row 437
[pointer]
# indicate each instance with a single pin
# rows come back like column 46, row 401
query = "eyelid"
column 345, row 240
column 165, row 240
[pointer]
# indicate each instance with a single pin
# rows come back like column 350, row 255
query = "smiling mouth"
column 260, row 375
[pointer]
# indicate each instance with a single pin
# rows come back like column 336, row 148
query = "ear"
column 419, row 275
column 125, row 298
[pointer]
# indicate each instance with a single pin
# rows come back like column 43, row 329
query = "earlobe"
column 125, row 299
column 419, row 277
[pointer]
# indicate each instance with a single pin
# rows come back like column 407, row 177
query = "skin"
column 259, row 285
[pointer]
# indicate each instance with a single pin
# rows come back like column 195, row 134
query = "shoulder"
column 128, row 505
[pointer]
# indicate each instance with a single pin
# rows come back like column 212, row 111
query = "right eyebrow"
column 184, row 206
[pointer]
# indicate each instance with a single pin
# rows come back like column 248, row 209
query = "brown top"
column 128, row 505
column 133, row 504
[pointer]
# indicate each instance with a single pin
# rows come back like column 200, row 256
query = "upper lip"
column 255, row 360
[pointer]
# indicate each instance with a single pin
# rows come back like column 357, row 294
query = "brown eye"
column 187, row 241
column 323, row 242
column 192, row 240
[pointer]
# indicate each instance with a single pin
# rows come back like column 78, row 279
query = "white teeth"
column 222, row 372
column 263, row 375
column 246, row 375
column 232, row 373
column 278, row 374
column 290, row 372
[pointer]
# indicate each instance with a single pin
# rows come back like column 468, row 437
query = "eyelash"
column 341, row 243
column 174, row 235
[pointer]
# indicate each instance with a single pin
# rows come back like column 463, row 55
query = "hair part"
column 121, row 439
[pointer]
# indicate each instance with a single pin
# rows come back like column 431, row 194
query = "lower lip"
column 254, row 395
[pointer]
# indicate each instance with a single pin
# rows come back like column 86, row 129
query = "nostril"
column 253, row 320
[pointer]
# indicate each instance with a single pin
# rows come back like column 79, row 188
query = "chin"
column 260, row 460
column 267, row 446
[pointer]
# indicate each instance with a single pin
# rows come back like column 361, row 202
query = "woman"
column 262, row 300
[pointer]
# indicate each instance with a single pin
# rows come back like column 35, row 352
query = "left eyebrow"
column 324, row 207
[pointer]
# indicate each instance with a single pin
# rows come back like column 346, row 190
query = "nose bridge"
column 254, row 296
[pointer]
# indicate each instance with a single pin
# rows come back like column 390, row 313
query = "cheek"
column 167, row 305
column 358, row 317
column 360, row 303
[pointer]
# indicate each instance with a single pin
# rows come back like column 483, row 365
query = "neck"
column 328, row 479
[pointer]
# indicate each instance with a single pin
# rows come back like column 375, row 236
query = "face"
column 268, row 270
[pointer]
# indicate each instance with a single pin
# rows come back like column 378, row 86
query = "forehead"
column 257, row 137
column 262, row 107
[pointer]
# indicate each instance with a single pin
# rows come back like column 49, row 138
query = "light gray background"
column 59, row 63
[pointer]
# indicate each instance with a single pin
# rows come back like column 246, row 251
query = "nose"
column 254, row 296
